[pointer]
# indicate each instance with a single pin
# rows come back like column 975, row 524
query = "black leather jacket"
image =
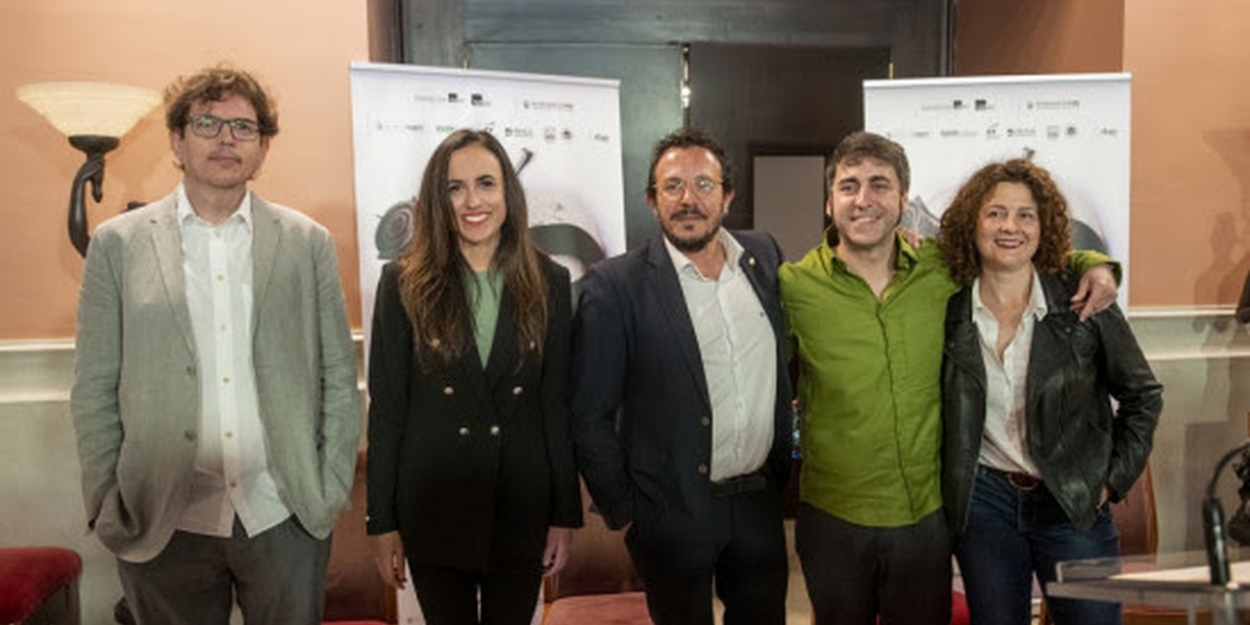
column 1073, row 436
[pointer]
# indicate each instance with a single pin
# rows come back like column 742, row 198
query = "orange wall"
column 1038, row 36
column 301, row 50
column 1191, row 149
column 1190, row 239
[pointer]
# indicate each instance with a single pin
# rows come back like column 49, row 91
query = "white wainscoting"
column 1201, row 355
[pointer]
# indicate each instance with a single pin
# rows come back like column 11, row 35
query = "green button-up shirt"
column 868, row 386
column 870, row 382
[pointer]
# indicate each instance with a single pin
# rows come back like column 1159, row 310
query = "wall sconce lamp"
column 94, row 116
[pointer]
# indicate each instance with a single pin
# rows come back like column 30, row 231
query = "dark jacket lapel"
column 503, row 349
column 663, row 280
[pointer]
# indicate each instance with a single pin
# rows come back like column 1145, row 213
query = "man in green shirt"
column 866, row 313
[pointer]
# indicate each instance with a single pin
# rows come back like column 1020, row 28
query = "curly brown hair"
column 432, row 277
column 214, row 84
column 957, row 238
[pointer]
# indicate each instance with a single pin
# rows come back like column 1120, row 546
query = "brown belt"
column 1018, row 480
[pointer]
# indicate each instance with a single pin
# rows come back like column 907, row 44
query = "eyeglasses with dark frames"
column 209, row 127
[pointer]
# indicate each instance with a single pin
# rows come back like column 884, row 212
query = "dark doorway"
column 778, row 100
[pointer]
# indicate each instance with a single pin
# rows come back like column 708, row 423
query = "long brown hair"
column 432, row 277
column 957, row 240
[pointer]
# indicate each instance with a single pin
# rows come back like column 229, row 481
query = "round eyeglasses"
column 209, row 126
column 702, row 186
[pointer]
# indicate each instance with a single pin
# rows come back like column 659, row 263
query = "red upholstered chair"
column 959, row 609
column 1137, row 523
column 39, row 586
column 598, row 583
column 355, row 592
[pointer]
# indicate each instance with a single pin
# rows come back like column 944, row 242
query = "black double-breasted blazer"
column 473, row 464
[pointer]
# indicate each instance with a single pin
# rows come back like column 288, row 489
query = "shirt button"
column 229, row 434
column 447, row 390
column 517, row 390
column 706, row 421
column 464, row 431
column 191, row 370
column 234, row 484
column 189, row 435
column 751, row 261
column 225, row 380
column 220, row 277
column 702, row 469
column 494, row 430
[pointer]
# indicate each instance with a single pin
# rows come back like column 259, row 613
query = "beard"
column 690, row 243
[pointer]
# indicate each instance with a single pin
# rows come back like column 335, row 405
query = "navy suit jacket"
column 641, row 413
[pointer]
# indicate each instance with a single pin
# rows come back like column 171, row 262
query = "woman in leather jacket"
column 1032, row 449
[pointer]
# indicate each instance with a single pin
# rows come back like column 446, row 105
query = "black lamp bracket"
column 95, row 147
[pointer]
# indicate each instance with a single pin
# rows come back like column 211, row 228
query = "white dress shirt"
column 739, row 352
column 1003, row 444
column 231, row 465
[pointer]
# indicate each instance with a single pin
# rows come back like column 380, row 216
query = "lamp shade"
column 89, row 108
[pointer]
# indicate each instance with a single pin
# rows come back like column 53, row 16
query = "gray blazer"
column 136, row 398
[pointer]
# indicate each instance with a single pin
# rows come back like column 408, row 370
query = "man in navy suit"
column 681, row 401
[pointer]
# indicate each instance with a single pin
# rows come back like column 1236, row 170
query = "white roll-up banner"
column 562, row 134
column 1074, row 125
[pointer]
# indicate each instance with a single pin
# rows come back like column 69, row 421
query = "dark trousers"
column 449, row 596
column 278, row 577
column 1015, row 534
column 741, row 552
column 855, row 573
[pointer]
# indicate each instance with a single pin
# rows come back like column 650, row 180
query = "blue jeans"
column 1013, row 534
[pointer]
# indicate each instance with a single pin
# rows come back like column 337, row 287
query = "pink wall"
column 1038, row 37
column 1191, row 149
column 1190, row 240
column 301, row 50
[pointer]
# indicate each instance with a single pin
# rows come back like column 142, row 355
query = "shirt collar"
column 733, row 253
column 907, row 255
column 1037, row 298
column 186, row 214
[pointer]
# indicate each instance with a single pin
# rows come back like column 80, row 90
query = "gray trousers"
column 277, row 576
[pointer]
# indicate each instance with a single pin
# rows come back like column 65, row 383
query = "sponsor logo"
column 538, row 105
column 1053, row 105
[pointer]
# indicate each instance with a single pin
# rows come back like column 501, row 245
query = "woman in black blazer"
column 470, row 466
